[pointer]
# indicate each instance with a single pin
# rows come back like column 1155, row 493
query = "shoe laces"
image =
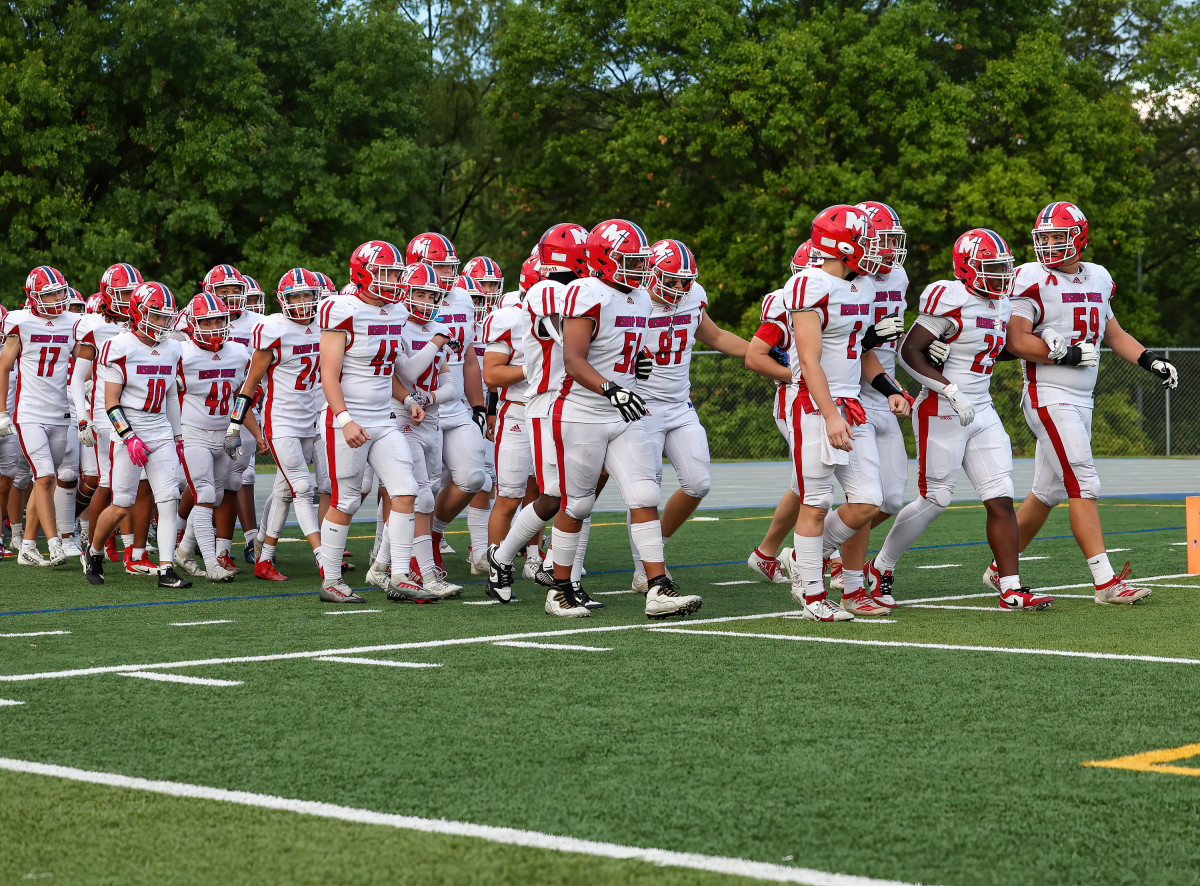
column 663, row 586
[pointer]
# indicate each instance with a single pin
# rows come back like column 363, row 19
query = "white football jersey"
column 97, row 330
column 511, row 299
column 975, row 329
column 241, row 328
column 458, row 313
column 618, row 329
column 845, row 312
column 670, row 336
column 543, row 355
column 891, row 289
column 374, row 337
column 504, row 331
column 1077, row 306
column 41, row 385
column 292, row 384
column 775, row 315
column 417, row 337
column 208, row 381
column 148, row 373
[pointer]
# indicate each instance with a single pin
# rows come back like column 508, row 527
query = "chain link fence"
column 1134, row 415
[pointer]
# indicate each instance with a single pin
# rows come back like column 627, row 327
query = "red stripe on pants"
column 558, row 452
column 798, row 442
column 330, row 450
column 928, row 408
column 1069, row 479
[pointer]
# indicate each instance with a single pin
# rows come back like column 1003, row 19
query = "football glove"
column 627, row 402
column 7, row 428
column 479, row 416
column 423, row 398
column 1080, row 355
column 780, row 356
column 961, row 405
column 1056, row 343
column 87, row 433
column 1149, row 361
column 643, row 365
column 138, row 453
column 939, row 352
column 233, row 440
column 888, row 329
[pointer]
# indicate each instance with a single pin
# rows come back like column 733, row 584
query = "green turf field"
column 944, row 744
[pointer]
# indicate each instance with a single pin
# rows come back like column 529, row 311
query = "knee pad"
column 471, row 480
column 1089, row 482
column 696, row 487
column 581, row 508
column 939, row 495
column 995, row 487
column 424, row 503
column 206, row 494
column 644, row 494
column 892, row 504
column 1050, row 498
column 302, row 488
column 817, row 497
column 67, row 476
column 124, row 500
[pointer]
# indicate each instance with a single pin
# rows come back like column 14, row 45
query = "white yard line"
column 510, row 836
column 522, row 644
column 1086, row 584
column 953, row 606
column 950, row 647
column 864, row 620
column 192, row 624
column 1165, row 585
column 610, row 593
column 1031, row 557
column 355, row 650
column 705, row 519
column 4, row 702
column 942, row 566
column 1117, row 550
column 480, row 602
column 180, row 678
column 742, row 581
column 351, row 611
column 344, row 659
column 36, row 634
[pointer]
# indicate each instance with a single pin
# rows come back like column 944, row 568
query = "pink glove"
column 179, row 450
column 138, row 453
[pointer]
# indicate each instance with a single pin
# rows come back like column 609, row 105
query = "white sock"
column 333, row 545
column 914, row 518
column 564, row 546
column 648, row 538
column 423, row 551
column 249, row 536
column 400, row 539
column 18, row 530
column 581, row 550
column 808, row 573
column 837, row 533
column 524, row 527
column 200, row 527
column 477, row 525
column 439, row 526
column 64, row 509
column 28, row 544
column 268, row 552
column 126, row 541
column 168, row 531
column 852, row 580
column 381, row 520
column 224, row 545
column 1010, row 583
column 187, row 544
column 137, row 553
column 1102, row 571
column 85, row 527
column 638, row 567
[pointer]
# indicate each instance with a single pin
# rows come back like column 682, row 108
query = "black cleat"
column 583, row 598
column 500, row 577
column 93, row 568
column 168, row 578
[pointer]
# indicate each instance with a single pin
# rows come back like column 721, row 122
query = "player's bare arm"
column 914, row 351
column 333, row 352
column 498, row 372
column 8, row 358
column 806, row 327
column 577, row 342
column 1129, row 348
column 259, row 364
column 720, row 339
column 1022, row 342
column 401, row 392
column 759, row 359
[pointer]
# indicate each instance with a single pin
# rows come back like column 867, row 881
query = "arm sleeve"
column 447, row 391
column 78, row 386
column 171, row 407
column 939, row 326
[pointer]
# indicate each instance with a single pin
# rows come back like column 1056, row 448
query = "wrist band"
column 886, row 385
column 241, row 405
column 1147, row 358
column 342, row 419
column 409, row 401
column 492, row 401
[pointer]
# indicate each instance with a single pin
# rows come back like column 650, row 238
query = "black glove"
column 780, row 356
column 1164, row 369
column 643, row 364
column 888, row 329
column 627, row 402
column 479, row 416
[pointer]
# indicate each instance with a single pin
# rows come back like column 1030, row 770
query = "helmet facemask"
column 424, row 302
column 300, row 303
column 1055, row 247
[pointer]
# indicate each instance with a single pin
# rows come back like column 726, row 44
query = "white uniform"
column 890, row 292
column 590, row 434
column 671, row 421
column 504, row 332
column 462, row 445
column 844, row 309
column 424, row 439
column 12, row 460
column 974, row 327
column 208, row 381
column 241, row 330
column 374, row 338
column 41, row 411
column 97, row 330
column 543, row 376
column 775, row 328
column 489, row 447
column 1057, row 400
column 148, row 374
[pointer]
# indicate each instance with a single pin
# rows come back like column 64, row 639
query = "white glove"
column 233, row 440
column 7, row 428
column 1167, row 372
column 1089, row 355
column 424, row 398
column 963, row 406
column 939, row 351
column 87, row 433
column 88, row 387
column 1055, row 342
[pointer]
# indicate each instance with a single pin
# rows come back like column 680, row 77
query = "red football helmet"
column 228, row 284
column 46, row 291
column 807, row 257
column 672, row 272
column 531, row 272
column 328, row 287
column 208, row 321
column 563, row 248
column 618, row 252
column 422, row 291
column 152, row 310
column 377, row 268
column 436, row 250
column 846, row 232
column 75, row 302
column 348, row 289
column 1060, row 234
column 94, row 303
column 983, row 261
column 256, row 299
column 891, row 233
column 298, row 293
column 116, row 285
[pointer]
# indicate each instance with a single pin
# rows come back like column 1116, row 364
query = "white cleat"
column 991, row 578
column 58, row 556
column 821, row 608
column 71, row 546
column 837, row 581
column 787, row 560
column 862, row 603
column 564, row 606
column 530, row 570
column 479, row 565
column 663, row 601
column 1118, row 591
column 641, row 585
column 218, row 573
column 769, row 568
column 31, row 557
column 439, row 588
column 444, row 548
column 379, row 574
column 190, row 565
column 339, row 592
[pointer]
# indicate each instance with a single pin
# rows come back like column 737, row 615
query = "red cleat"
column 226, row 562
column 110, row 550
column 138, row 567
column 266, row 570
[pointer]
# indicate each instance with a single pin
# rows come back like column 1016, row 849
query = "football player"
column 41, row 337
column 361, row 337
column 956, row 425
column 1062, row 312
column 138, row 369
column 678, row 320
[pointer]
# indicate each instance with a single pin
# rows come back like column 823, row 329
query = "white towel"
column 830, row 455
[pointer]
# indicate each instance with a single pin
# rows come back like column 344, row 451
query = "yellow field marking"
column 1151, row 761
